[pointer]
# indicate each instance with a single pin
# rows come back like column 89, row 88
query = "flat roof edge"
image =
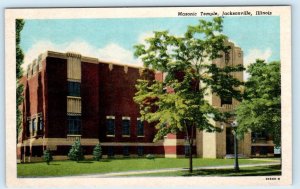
column 88, row 59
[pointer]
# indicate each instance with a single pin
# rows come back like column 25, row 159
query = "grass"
column 245, row 171
column 65, row 168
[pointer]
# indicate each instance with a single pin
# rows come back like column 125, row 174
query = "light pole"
column 234, row 126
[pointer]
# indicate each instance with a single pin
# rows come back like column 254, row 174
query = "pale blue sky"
column 113, row 39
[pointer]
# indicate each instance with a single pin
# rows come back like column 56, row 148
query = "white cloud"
column 115, row 53
column 256, row 54
column 112, row 52
column 37, row 49
column 144, row 36
column 81, row 47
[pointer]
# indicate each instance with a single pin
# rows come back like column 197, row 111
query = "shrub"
column 97, row 152
column 47, row 156
column 76, row 152
column 150, row 156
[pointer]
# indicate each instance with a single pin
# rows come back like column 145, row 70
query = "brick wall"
column 56, row 71
column 90, row 100
column 117, row 89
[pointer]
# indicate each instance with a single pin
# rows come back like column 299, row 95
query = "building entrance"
column 229, row 141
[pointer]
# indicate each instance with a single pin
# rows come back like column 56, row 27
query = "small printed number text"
column 269, row 178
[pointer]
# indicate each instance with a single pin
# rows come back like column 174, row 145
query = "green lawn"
column 244, row 171
column 64, row 168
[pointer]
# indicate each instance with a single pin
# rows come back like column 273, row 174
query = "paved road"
column 127, row 173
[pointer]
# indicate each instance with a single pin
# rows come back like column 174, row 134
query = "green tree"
column 76, row 152
column 97, row 152
column 261, row 107
column 47, row 156
column 19, row 73
column 178, row 104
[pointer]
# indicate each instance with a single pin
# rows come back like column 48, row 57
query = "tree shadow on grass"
column 105, row 160
column 54, row 164
column 85, row 162
column 90, row 161
column 261, row 171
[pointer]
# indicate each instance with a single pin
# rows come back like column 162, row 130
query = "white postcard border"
column 70, row 13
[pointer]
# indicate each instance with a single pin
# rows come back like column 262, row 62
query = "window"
column 33, row 127
column 140, row 150
column 140, row 128
column 187, row 150
column 74, row 124
column 110, row 125
column 263, row 150
column 28, row 128
column 126, row 126
column 41, row 125
column 110, row 151
column 73, row 88
column 226, row 100
column 227, row 57
column 40, row 57
column 261, row 136
column 29, row 71
column 126, row 151
column 35, row 67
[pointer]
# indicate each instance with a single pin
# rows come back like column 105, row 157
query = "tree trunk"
column 191, row 156
column 190, row 141
column 191, row 147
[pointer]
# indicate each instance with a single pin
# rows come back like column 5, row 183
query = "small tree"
column 261, row 107
column 97, row 152
column 47, row 156
column 76, row 152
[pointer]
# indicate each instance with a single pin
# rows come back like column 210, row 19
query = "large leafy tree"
column 261, row 107
column 19, row 73
column 178, row 104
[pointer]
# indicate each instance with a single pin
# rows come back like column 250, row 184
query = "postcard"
column 148, row 96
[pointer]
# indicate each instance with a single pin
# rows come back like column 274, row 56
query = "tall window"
column 28, row 128
column 140, row 128
column 74, row 124
column 125, row 126
column 33, row 127
column 126, row 151
column 73, row 88
column 110, row 126
column 41, row 125
column 140, row 150
column 35, row 67
column 227, row 57
column 186, row 150
column 29, row 72
column 110, row 151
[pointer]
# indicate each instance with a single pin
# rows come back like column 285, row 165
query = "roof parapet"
column 38, row 61
column 73, row 55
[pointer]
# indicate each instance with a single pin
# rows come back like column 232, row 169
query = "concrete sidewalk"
column 132, row 173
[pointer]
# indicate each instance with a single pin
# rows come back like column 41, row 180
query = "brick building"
column 68, row 97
